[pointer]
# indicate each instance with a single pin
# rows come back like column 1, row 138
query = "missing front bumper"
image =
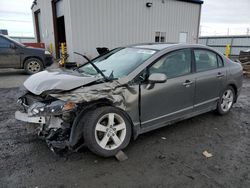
column 24, row 117
column 51, row 129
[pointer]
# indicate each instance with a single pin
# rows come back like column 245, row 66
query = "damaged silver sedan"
column 126, row 92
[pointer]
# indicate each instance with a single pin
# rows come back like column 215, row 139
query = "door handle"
column 187, row 83
column 220, row 75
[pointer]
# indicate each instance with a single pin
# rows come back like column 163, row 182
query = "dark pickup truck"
column 16, row 55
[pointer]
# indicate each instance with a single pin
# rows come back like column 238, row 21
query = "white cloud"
column 222, row 17
column 16, row 17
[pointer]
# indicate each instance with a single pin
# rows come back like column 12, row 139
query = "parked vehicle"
column 16, row 55
column 126, row 92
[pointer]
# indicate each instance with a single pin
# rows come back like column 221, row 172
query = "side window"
column 205, row 60
column 174, row 64
column 4, row 43
column 220, row 62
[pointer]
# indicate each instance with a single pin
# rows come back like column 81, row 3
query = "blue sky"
column 219, row 17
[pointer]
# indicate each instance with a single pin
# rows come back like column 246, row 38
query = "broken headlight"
column 54, row 108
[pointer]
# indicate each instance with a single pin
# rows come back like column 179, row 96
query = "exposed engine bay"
column 55, row 118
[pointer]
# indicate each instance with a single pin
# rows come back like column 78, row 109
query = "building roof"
column 193, row 1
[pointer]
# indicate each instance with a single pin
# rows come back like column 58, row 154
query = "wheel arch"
column 76, row 134
column 30, row 57
column 233, row 85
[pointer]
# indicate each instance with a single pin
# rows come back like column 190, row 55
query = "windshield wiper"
column 93, row 65
column 111, row 76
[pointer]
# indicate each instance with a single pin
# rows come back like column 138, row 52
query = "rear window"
column 220, row 62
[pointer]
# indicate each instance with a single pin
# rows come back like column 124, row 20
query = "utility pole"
column 248, row 30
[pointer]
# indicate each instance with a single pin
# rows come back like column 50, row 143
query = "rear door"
column 174, row 98
column 9, row 57
column 209, row 78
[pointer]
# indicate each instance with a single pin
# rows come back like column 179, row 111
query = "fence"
column 219, row 43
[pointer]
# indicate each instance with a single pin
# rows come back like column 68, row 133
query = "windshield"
column 118, row 63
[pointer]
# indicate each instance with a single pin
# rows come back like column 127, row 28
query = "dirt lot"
column 177, row 161
column 12, row 78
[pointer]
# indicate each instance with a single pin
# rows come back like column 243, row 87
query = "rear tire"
column 33, row 65
column 106, row 131
column 226, row 101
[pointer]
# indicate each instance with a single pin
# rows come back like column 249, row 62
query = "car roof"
column 2, row 35
column 163, row 46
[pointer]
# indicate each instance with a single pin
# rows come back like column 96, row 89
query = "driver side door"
column 9, row 57
column 165, row 102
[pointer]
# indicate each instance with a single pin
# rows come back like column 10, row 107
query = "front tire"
column 107, row 130
column 226, row 101
column 33, row 65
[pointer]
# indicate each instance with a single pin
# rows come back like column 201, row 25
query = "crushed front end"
column 54, row 117
column 56, row 102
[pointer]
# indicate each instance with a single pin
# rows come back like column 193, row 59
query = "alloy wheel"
column 110, row 131
column 227, row 100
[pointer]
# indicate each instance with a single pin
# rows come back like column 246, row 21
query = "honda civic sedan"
column 126, row 92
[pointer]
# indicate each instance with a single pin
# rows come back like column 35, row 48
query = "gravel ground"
column 12, row 78
column 177, row 161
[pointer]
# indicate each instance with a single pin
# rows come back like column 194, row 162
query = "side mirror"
column 12, row 46
column 157, row 78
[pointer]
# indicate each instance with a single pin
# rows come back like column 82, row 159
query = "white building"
column 85, row 25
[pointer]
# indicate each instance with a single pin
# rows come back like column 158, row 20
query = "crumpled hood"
column 56, row 80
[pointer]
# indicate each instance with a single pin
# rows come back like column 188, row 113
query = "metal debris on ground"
column 161, row 156
column 121, row 156
column 207, row 154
